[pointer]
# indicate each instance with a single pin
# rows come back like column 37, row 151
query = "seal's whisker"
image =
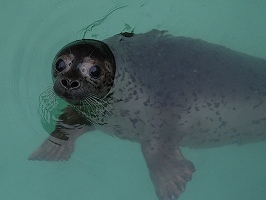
column 95, row 106
column 97, row 103
column 84, row 112
column 103, row 104
column 90, row 107
column 98, row 106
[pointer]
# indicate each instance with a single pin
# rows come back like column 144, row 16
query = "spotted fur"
column 162, row 91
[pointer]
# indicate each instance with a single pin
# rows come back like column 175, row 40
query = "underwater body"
column 162, row 91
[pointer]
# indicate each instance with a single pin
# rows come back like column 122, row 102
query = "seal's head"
column 83, row 70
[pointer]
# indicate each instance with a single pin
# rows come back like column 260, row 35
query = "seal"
column 162, row 91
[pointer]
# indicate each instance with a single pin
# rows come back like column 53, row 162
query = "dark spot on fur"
column 214, row 140
column 223, row 124
column 137, row 112
column 256, row 106
column 133, row 78
column 133, row 121
column 204, row 130
column 146, row 103
column 179, row 105
column 208, row 104
column 255, row 122
column 234, row 130
column 216, row 105
column 217, row 113
column 118, row 129
column 124, row 112
column 202, row 141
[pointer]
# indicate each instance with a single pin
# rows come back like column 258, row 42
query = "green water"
column 102, row 167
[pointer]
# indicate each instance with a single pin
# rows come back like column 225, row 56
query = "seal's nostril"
column 64, row 82
column 70, row 84
column 74, row 84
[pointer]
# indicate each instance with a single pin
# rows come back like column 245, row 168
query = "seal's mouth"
column 72, row 96
column 83, row 97
column 76, row 98
column 73, row 99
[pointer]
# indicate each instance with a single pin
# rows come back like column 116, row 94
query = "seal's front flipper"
column 54, row 149
column 169, row 170
column 60, row 144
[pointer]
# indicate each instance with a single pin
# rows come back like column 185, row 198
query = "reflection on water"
column 50, row 107
column 100, row 21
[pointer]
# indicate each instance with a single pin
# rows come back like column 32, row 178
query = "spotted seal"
column 162, row 91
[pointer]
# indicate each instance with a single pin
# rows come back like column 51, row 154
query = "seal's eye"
column 60, row 65
column 95, row 71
